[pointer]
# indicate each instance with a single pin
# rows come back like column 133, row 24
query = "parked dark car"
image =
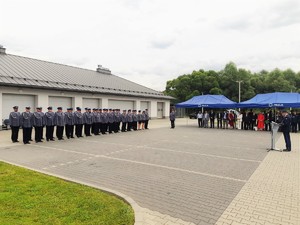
column 193, row 116
column 5, row 124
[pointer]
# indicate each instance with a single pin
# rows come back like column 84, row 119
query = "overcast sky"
column 152, row 41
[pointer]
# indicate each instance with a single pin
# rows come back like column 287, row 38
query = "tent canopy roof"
column 207, row 101
column 272, row 100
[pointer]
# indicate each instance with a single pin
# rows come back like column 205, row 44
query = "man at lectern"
column 285, row 128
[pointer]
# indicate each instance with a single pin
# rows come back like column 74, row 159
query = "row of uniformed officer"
column 97, row 121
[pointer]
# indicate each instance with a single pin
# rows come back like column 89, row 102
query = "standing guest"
column 172, row 118
column 225, row 120
column 27, row 123
column 266, row 123
column 38, row 124
column 147, row 118
column 254, row 120
column 219, row 119
column 251, row 120
column 88, row 121
column 15, row 123
column 134, row 120
column 200, row 117
column 69, row 121
column 124, row 121
column 129, row 120
column 60, row 123
column 212, row 119
column 78, row 122
column 285, row 128
column 244, row 116
column 247, row 121
column 260, row 121
column 298, row 119
column 294, row 120
column 239, row 120
column 205, row 119
column 49, row 118
column 270, row 119
column 231, row 119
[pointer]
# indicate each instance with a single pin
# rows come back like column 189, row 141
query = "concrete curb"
column 138, row 214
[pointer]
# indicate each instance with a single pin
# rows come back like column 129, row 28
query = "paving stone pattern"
column 189, row 174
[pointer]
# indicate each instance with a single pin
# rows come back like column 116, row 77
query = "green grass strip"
column 28, row 197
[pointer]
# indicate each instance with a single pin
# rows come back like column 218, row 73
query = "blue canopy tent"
column 208, row 101
column 272, row 100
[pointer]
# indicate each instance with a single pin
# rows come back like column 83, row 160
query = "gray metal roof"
column 27, row 72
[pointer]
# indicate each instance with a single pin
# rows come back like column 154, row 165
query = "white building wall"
column 166, row 109
column 42, row 99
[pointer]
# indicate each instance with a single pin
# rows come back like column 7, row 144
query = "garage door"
column 10, row 100
column 144, row 105
column 119, row 104
column 90, row 102
column 64, row 102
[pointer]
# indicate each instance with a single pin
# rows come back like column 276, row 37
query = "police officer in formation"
column 78, row 121
column 69, row 123
column 15, row 123
column 104, row 121
column 59, row 120
column 38, row 124
column 27, row 123
column 50, row 123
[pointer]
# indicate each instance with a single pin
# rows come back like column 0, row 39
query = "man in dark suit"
column 219, row 119
column 212, row 119
column 294, row 120
column 172, row 118
column 285, row 128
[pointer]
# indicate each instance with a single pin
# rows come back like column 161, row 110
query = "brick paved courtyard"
column 187, row 173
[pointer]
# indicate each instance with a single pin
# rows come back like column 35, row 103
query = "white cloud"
column 152, row 41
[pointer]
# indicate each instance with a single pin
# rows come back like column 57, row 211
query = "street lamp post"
column 239, row 81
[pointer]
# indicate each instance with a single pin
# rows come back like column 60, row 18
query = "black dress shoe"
column 286, row 150
column 30, row 140
column 52, row 140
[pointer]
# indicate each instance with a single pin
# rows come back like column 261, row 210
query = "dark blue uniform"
column 172, row 119
column 27, row 123
column 15, row 123
column 285, row 128
column 49, row 118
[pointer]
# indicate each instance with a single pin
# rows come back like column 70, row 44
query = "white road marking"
column 201, row 144
column 174, row 168
column 202, row 154
column 147, row 164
